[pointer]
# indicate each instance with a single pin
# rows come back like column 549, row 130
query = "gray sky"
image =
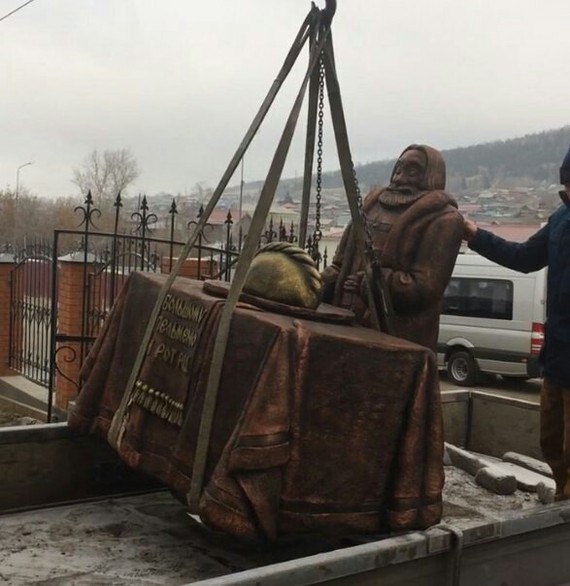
column 179, row 81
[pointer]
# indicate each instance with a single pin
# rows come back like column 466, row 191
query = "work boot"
column 560, row 475
column 565, row 493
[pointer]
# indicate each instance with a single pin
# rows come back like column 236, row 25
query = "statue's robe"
column 417, row 256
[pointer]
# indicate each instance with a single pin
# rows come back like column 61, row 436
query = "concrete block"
column 526, row 479
column 494, row 479
column 528, row 463
column 545, row 493
column 464, row 459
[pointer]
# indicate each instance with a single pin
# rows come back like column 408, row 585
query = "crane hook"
column 328, row 11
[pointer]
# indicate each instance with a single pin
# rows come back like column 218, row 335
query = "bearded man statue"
column 416, row 232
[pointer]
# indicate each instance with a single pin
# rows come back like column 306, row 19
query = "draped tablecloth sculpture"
column 320, row 425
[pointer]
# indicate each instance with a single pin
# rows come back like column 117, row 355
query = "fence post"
column 7, row 264
column 70, row 294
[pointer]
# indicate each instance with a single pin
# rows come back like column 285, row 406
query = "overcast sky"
column 179, row 81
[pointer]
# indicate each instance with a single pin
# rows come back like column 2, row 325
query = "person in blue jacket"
column 550, row 246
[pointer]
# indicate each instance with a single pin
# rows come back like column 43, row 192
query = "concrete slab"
column 464, row 459
column 27, row 397
column 529, row 463
column 22, row 390
column 526, row 479
column 496, row 480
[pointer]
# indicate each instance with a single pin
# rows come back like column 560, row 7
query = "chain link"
column 368, row 248
column 317, row 234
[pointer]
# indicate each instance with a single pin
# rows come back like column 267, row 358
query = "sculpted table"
column 320, row 425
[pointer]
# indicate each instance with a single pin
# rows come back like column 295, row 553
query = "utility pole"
column 18, row 176
column 241, row 192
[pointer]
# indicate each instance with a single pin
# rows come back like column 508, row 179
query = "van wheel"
column 462, row 368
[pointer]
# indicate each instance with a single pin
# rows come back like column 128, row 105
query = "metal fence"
column 140, row 241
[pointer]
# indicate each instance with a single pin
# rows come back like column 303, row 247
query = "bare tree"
column 106, row 174
column 29, row 217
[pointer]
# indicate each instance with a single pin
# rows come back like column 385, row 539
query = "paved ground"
column 10, row 417
column 515, row 389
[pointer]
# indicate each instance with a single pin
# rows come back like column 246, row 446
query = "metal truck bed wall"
column 491, row 424
column 49, row 464
column 44, row 464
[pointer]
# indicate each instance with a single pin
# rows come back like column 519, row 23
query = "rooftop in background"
column 514, row 232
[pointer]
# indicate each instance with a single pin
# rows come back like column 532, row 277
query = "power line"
column 15, row 10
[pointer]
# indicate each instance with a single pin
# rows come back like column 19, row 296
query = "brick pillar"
column 190, row 267
column 6, row 265
column 69, row 311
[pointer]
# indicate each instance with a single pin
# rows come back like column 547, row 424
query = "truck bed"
column 149, row 538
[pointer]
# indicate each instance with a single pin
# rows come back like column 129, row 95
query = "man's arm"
column 525, row 257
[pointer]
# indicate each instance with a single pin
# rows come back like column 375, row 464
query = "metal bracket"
column 456, row 544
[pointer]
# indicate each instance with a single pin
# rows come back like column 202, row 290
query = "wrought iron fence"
column 43, row 339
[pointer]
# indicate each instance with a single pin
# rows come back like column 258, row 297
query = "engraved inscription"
column 179, row 324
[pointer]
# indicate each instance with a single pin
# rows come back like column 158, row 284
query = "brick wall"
column 5, row 269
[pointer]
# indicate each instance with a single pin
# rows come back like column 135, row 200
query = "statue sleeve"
column 421, row 277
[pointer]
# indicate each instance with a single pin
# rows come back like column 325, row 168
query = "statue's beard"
column 400, row 195
column 404, row 189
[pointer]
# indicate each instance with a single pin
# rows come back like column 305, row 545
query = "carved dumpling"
column 284, row 273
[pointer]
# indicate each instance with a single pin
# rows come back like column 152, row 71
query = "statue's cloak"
column 417, row 262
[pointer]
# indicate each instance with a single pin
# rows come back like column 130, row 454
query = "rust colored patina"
column 416, row 232
column 321, row 425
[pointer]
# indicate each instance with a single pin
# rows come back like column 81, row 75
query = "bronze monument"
column 416, row 232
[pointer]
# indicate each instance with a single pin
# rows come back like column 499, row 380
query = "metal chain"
column 317, row 234
column 368, row 234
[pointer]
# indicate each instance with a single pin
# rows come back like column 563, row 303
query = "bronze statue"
column 416, row 232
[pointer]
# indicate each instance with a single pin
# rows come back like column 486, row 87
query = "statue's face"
column 409, row 172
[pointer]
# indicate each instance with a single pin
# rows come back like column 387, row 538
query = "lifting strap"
column 242, row 268
column 117, row 425
column 315, row 28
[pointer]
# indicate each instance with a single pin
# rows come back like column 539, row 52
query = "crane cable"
column 15, row 10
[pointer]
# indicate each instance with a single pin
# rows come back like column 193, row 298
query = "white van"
column 492, row 321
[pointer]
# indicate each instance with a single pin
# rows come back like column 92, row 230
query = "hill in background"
column 530, row 161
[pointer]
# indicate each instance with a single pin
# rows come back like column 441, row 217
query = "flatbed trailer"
column 71, row 513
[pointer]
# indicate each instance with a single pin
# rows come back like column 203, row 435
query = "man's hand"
column 469, row 230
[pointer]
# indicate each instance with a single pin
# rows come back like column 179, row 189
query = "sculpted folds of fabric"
column 318, row 426
column 416, row 233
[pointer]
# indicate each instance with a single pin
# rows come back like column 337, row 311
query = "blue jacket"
column 550, row 246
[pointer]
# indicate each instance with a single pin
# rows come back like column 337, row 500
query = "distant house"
column 514, row 232
column 486, row 196
column 343, row 220
column 469, row 208
column 277, row 214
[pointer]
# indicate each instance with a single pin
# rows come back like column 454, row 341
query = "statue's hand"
column 353, row 283
column 329, row 274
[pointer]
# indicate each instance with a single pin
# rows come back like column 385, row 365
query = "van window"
column 487, row 298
